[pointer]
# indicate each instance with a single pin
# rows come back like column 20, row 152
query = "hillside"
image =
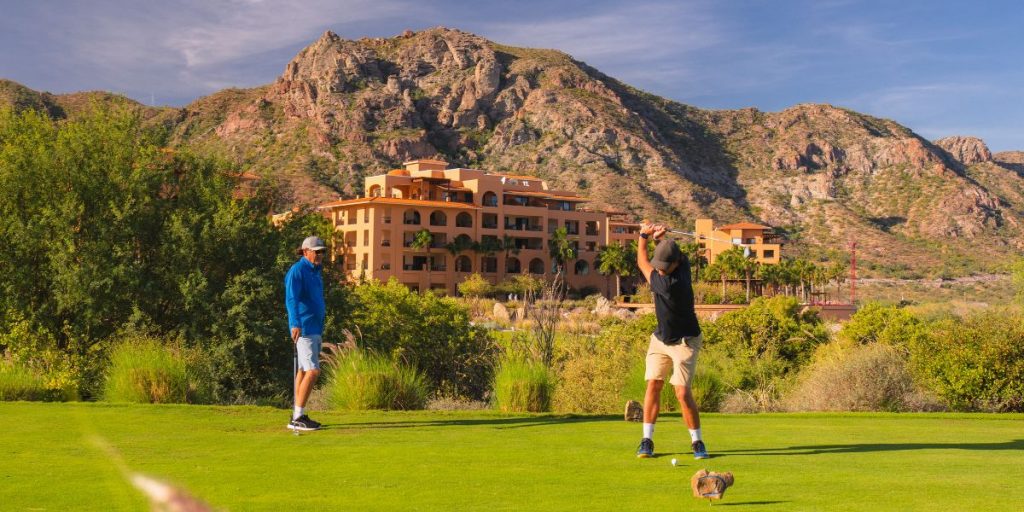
column 344, row 109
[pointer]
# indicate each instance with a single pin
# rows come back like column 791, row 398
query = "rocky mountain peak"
column 966, row 150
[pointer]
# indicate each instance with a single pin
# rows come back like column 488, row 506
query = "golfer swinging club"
column 676, row 340
column 304, row 298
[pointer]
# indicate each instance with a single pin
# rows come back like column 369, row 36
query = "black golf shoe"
column 303, row 423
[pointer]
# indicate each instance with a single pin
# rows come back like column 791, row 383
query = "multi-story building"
column 466, row 211
column 763, row 243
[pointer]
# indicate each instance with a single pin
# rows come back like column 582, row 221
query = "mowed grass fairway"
column 72, row 457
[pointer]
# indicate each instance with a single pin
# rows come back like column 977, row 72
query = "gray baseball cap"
column 666, row 253
column 313, row 243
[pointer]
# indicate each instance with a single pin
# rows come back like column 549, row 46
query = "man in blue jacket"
column 304, row 298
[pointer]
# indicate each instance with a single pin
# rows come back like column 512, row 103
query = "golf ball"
column 673, row 462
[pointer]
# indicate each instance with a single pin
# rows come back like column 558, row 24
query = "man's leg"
column 304, row 383
column 652, row 400
column 689, row 407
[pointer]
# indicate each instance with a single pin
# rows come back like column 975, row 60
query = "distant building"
column 763, row 243
column 461, row 207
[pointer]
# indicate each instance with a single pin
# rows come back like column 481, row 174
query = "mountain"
column 344, row 109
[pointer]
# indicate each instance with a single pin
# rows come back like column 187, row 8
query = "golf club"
column 695, row 236
column 295, row 374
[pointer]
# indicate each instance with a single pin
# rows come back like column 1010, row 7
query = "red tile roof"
column 743, row 225
column 395, row 200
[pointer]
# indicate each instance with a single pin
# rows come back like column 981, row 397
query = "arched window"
column 536, row 266
column 463, row 220
column 463, row 264
column 512, row 266
column 582, row 268
column 438, row 218
column 490, row 199
column 411, row 217
column 464, row 240
column 375, row 191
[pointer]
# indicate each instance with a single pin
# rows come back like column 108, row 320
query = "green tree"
column 423, row 240
column 616, row 260
column 103, row 230
column 1017, row 270
column 560, row 249
column 475, row 286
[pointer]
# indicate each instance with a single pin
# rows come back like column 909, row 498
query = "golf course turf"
column 74, row 456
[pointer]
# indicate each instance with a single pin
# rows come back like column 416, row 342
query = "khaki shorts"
column 680, row 359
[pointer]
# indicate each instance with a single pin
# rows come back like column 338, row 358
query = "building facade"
column 764, row 245
column 467, row 213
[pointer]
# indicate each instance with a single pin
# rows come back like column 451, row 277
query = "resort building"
column 764, row 245
column 468, row 213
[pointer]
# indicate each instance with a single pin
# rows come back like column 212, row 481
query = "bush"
column 846, row 377
column 361, row 380
column 974, row 363
column 753, row 348
column 594, row 371
column 875, row 323
column 711, row 293
column 475, row 286
column 20, row 383
column 142, row 370
column 433, row 335
column 521, row 385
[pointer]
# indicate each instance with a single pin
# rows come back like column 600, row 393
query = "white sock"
column 694, row 435
column 299, row 411
column 648, row 430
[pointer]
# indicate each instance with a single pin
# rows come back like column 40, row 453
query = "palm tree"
column 837, row 272
column 560, row 250
column 615, row 259
column 694, row 253
column 423, row 239
column 508, row 244
column 731, row 263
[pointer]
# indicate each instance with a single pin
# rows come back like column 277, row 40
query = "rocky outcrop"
column 344, row 109
column 966, row 150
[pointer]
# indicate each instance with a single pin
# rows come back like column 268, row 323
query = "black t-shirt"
column 673, row 304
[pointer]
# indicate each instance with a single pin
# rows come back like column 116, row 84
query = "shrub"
column 875, row 323
column 20, row 383
column 846, row 377
column 142, row 370
column 475, row 286
column 521, row 385
column 433, row 334
column 755, row 348
column 711, row 293
column 362, row 380
column 974, row 363
column 594, row 370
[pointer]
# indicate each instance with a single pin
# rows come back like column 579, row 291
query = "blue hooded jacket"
column 304, row 297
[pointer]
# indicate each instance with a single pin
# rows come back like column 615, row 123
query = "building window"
column 591, row 228
column 512, row 266
column 572, row 227
column 536, row 266
column 490, row 199
column 489, row 265
column 769, row 254
column 490, row 221
column 375, row 191
column 463, row 220
column 582, row 268
column 438, row 218
column 366, row 237
column 751, row 240
column 411, row 217
column 463, row 264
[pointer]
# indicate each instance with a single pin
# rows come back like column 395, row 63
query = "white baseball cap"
column 313, row 243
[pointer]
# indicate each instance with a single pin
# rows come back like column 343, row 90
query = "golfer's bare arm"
column 643, row 260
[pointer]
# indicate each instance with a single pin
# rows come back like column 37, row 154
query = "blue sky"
column 939, row 67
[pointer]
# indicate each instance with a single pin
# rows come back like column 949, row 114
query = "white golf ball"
column 673, row 462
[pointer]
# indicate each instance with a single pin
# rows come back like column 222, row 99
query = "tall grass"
column 20, row 383
column 143, row 370
column 360, row 380
column 707, row 387
column 522, row 385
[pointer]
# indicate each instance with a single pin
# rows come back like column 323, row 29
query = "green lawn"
column 73, row 456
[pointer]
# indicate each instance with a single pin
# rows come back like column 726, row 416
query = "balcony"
column 387, row 219
column 385, row 243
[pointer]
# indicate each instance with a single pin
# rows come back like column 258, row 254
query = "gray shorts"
column 308, row 348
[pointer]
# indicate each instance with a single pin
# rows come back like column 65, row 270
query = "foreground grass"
column 73, row 457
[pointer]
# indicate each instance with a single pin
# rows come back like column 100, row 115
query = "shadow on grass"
column 732, row 504
column 888, row 447
column 502, row 423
